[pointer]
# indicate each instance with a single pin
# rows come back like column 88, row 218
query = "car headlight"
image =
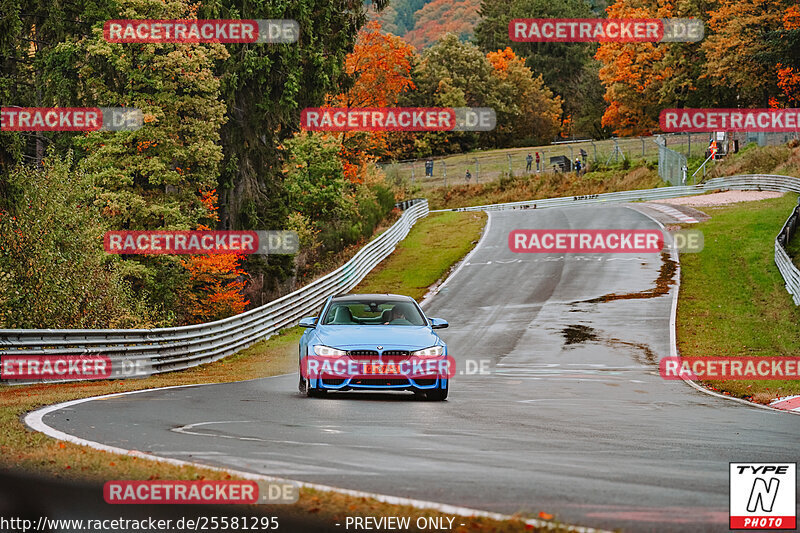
column 433, row 351
column 327, row 351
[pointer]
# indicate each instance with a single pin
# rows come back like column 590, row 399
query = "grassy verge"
column 732, row 297
column 545, row 185
column 29, row 451
column 412, row 268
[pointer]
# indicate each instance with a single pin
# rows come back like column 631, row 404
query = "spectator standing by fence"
column 538, row 161
column 528, row 162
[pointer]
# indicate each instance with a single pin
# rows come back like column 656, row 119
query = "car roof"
column 361, row 297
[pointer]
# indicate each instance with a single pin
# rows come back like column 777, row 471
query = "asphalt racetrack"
column 572, row 419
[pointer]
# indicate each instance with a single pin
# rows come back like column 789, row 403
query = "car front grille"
column 372, row 355
column 396, row 352
column 363, row 353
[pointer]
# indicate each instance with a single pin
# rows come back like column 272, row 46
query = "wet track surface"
column 573, row 418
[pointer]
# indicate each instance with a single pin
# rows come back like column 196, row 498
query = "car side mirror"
column 438, row 323
column 308, row 322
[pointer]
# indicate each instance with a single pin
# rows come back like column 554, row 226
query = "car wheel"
column 311, row 392
column 305, row 388
column 437, row 395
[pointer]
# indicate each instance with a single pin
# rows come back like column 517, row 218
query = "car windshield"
column 374, row 312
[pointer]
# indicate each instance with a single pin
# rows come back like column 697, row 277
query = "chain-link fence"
column 675, row 151
column 671, row 151
column 673, row 166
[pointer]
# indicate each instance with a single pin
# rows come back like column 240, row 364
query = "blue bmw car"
column 374, row 342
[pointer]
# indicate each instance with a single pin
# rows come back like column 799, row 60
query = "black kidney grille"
column 373, row 353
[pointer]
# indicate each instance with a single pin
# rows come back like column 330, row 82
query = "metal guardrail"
column 178, row 348
column 789, row 272
column 760, row 182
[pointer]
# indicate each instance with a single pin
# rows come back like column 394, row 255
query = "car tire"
column 437, row 395
column 310, row 391
column 304, row 387
column 316, row 393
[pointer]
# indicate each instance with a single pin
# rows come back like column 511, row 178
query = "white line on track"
column 35, row 421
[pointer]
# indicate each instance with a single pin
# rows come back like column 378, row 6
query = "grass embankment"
column 493, row 164
column 545, row 185
column 412, row 268
column 732, row 296
column 752, row 159
column 451, row 234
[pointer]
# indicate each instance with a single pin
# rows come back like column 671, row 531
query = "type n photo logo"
column 763, row 495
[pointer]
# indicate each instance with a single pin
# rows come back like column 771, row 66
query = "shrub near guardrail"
column 177, row 348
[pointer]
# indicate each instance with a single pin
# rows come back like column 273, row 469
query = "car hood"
column 372, row 336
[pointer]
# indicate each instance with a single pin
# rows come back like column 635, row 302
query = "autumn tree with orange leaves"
column 215, row 286
column 631, row 75
column 528, row 109
column 738, row 30
column 747, row 59
column 380, row 66
column 785, row 55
